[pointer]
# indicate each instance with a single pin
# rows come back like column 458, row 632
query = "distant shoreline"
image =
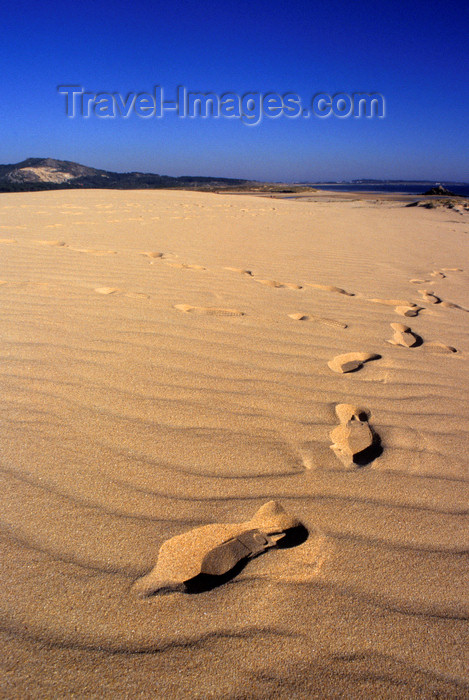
column 409, row 188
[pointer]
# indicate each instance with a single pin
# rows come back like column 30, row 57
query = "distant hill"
column 35, row 174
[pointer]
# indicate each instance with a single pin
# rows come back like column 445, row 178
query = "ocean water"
column 417, row 188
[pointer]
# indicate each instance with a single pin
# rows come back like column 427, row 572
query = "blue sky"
column 414, row 53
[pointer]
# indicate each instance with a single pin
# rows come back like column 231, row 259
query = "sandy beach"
column 173, row 359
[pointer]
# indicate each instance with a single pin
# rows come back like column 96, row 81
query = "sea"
column 417, row 188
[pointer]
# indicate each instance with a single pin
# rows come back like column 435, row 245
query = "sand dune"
column 150, row 394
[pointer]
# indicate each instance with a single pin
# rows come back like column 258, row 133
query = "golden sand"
column 145, row 395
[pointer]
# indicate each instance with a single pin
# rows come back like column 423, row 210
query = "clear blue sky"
column 414, row 53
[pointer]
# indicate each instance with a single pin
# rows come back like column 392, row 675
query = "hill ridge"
column 34, row 174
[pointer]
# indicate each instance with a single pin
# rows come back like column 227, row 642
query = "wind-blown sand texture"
column 137, row 406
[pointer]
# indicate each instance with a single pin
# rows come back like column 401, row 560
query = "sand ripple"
column 125, row 423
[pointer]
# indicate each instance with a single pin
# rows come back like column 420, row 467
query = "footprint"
column 351, row 361
column 451, row 305
column 292, row 285
column 408, row 310
column 52, row 243
column 153, row 254
column 452, row 269
column 441, row 348
column 418, row 281
column 93, row 251
column 241, row 270
column 438, row 274
column 197, row 560
column 403, row 336
column 106, row 290
column 353, row 441
column 329, row 288
column 429, row 297
column 271, row 283
column 393, row 302
column 185, row 266
column 319, row 319
column 328, row 322
column 208, row 310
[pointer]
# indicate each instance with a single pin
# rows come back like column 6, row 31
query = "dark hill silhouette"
column 35, row 174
